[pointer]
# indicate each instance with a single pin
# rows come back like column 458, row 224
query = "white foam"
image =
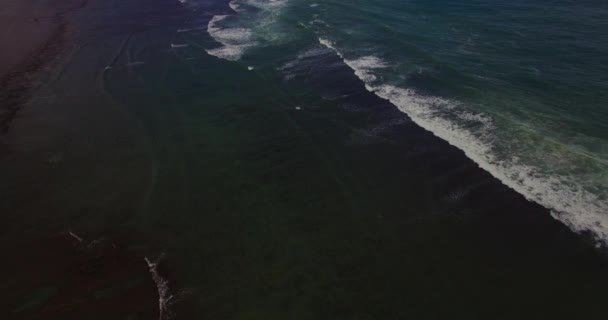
column 165, row 297
column 362, row 66
column 234, row 6
column 75, row 236
column 330, row 45
column 567, row 199
column 234, row 40
column 237, row 37
column 265, row 4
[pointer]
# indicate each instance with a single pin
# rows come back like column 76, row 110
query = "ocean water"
column 521, row 87
column 323, row 159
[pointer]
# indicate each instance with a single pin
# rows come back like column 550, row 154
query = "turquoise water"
column 520, row 87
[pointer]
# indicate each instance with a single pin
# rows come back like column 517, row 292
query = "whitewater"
column 577, row 208
column 575, row 196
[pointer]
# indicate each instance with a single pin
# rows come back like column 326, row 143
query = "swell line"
column 568, row 201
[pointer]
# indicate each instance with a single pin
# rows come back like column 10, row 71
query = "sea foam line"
column 568, row 201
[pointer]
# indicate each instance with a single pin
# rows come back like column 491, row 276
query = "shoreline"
column 40, row 40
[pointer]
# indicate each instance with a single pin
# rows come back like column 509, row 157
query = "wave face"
column 520, row 87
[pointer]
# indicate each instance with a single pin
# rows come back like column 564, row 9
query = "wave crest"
column 569, row 201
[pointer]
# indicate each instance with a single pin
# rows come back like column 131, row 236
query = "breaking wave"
column 251, row 25
column 475, row 134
